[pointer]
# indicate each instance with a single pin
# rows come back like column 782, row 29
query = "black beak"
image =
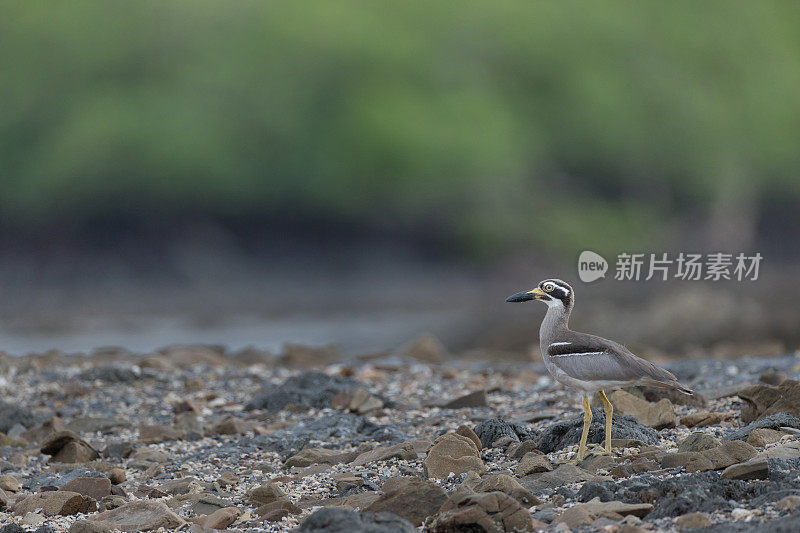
column 523, row 296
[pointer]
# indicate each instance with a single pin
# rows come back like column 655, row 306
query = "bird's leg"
column 609, row 414
column 587, row 419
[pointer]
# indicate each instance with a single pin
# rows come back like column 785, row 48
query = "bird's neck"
column 556, row 320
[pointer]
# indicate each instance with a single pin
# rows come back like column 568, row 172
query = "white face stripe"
column 563, row 288
column 582, row 353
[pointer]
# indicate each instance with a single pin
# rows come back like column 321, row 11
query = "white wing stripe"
column 560, row 343
column 582, row 353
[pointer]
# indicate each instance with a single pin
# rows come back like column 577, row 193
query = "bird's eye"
column 548, row 287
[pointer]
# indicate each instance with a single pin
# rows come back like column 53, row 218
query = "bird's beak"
column 524, row 296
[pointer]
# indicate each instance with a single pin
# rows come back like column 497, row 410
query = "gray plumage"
column 589, row 362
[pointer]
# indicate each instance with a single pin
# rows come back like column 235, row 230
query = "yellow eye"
column 549, row 287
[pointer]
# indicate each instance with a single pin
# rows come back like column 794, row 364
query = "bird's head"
column 553, row 292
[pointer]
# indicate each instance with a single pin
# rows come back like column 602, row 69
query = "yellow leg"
column 609, row 414
column 587, row 419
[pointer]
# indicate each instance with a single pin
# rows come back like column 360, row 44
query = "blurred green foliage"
column 567, row 124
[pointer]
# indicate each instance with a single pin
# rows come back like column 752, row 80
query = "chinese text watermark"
column 663, row 266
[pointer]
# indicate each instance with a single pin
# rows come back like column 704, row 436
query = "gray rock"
column 11, row 415
column 59, row 480
column 333, row 520
column 351, row 429
column 110, row 374
column 563, row 475
column 473, row 399
column 775, row 421
column 559, row 435
column 496, row 428
column 309, row 389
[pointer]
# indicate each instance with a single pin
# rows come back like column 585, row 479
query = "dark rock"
column 761, row 401
column 775, row 421
column 118, row 450
column 563, row 475
column 490, row 512
column 410, row 498
column 68, row 447
column 559, row 435
column 473, row 399
column 110, row 374
column 333, row 520
column 11, row 415
column 773, row 377
column 12, row 528
column 60, row 480
column 786, row 524
column 309, row 389
column 352, row 429
column 494, row 429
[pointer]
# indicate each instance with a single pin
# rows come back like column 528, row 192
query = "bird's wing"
column 592, row 358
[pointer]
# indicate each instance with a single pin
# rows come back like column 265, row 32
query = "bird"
column 588, row 363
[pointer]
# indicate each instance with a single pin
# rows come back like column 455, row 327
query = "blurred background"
column 257, row 173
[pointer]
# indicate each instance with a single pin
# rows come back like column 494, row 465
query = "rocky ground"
column 194, row 439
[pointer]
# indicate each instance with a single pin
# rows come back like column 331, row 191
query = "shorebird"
column 588, row 363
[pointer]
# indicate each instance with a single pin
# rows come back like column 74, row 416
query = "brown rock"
column 773, row 378
column 93, row 487
column 658, row 416
column 697, row 442
column 761, row 401
column 598, row 508
column 522, row 449
column 762, row 436
column 410, row 498
column 5, row 499
column 788, row 503
column 142, row 515
column 231, row 426
column 507, row 485
column 426, row 348
column 473, row 399
column 575, row 517
column 221, row 518
column 57, row 502
column 493, row 512
column 150, row 455
column 533, row 463
column 691, row 461
column 466, row 431
column 228, row 479
column 68, row 447
column 702, row 419
column 88, row 526
column 266, row 493
column 10, row 484
column 40, row 433
column 116, row 476
column 790, row 450
column 730, row 453
column 155, row 434
column 404, row 450
column 692, row 521
column 757, row 468
column 313, row 456
column 287, row 507
column 452, row 453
